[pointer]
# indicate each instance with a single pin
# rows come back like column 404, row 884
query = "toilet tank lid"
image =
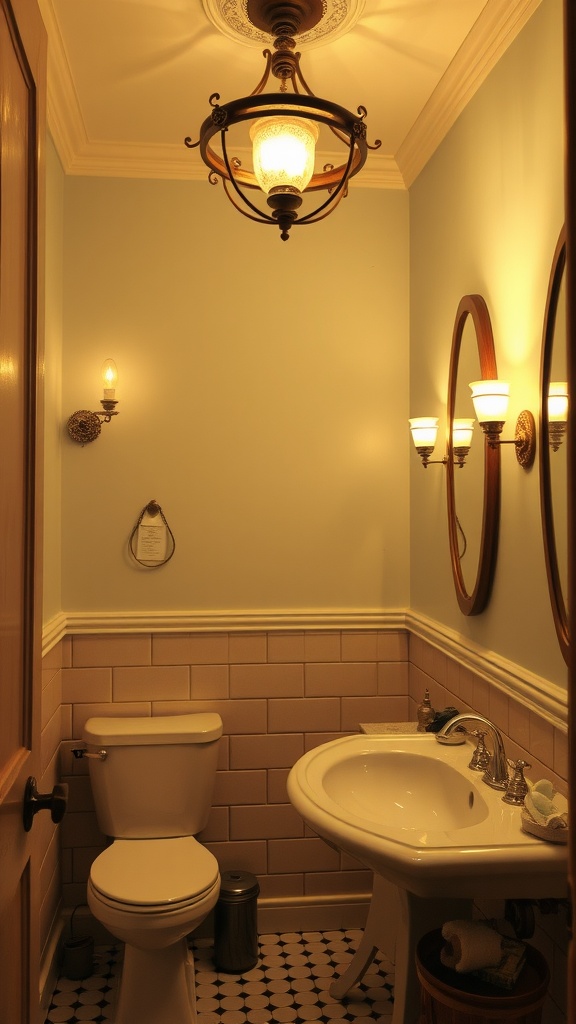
column 194, row 728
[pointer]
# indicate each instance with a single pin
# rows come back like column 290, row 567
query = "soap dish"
column 551, row 835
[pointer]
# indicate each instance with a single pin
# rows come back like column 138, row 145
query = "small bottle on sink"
column 425, row 712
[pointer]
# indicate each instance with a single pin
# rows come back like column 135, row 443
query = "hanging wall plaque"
column 152, row 542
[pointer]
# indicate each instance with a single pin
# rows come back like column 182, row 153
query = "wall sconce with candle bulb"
column 490, row 398
column 424, row 431
column 85, row 426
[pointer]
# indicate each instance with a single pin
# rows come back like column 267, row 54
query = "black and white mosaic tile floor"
column 289, row 985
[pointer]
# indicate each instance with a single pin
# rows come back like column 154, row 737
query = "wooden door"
column 22, row 125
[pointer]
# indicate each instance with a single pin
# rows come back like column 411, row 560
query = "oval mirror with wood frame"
column 474, row 584
column 554, row 411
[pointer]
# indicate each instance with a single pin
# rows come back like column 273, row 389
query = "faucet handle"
column 517, row 785
column 481, row 756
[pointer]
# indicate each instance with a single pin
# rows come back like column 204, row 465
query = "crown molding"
column 496, row 28
column 65, row 121
column 498, row 25
column 134, row 160
column 176, row 163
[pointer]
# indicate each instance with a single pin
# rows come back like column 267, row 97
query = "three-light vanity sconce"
column 85, row 426
column 490, row 398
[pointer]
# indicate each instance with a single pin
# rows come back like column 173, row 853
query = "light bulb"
column 110, row 378
column 283, row 152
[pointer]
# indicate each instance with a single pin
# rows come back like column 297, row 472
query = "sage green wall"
column 263, row 392
column 485, row 216
column 264, row 385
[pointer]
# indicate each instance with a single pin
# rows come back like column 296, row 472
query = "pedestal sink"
column 435, row 836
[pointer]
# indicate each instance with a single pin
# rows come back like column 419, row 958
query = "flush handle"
column 80, row 752
column 55, row 802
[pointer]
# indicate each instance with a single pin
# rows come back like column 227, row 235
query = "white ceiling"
column 128, row 80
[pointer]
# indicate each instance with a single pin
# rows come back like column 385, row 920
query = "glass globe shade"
column 283, row 152
column 558, row 401
column 462, row 430
column 424, row 430
column 490, row 399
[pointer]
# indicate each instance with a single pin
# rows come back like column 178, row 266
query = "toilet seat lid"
column 154, row 872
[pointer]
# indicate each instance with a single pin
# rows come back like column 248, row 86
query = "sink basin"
column 404, row 788
column 410, row 809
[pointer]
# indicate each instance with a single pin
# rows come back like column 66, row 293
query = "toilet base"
column 157, row 986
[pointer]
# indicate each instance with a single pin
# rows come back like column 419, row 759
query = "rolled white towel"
column 470, row 946
column 540, row 805
column 546, row 787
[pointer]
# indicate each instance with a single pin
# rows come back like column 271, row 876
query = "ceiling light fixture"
column 284, row 131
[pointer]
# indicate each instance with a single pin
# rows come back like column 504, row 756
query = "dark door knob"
column 55, row 802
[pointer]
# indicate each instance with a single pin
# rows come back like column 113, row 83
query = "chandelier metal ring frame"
column 349, row 128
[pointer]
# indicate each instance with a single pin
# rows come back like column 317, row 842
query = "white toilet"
column 152, row 780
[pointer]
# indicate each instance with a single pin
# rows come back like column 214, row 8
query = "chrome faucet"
column 496, row 774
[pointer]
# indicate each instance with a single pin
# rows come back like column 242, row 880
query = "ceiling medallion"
column 283, row 128
column 232, row 19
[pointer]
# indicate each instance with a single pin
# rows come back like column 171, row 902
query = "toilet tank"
column 155, row 776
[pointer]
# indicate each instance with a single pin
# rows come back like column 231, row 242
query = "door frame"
column 22, row 853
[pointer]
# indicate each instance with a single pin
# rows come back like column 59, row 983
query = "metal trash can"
column 235, row 923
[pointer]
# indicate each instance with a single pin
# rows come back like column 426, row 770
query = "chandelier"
column 284, row 128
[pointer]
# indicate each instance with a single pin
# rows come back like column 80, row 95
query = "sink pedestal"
column 396, row 922
column 411, row 810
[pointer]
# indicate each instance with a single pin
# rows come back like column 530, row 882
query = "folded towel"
column 546, row 787
column 470, row 945
column 540, row 805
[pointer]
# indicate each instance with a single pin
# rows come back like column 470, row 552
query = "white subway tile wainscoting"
column 279, row 694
